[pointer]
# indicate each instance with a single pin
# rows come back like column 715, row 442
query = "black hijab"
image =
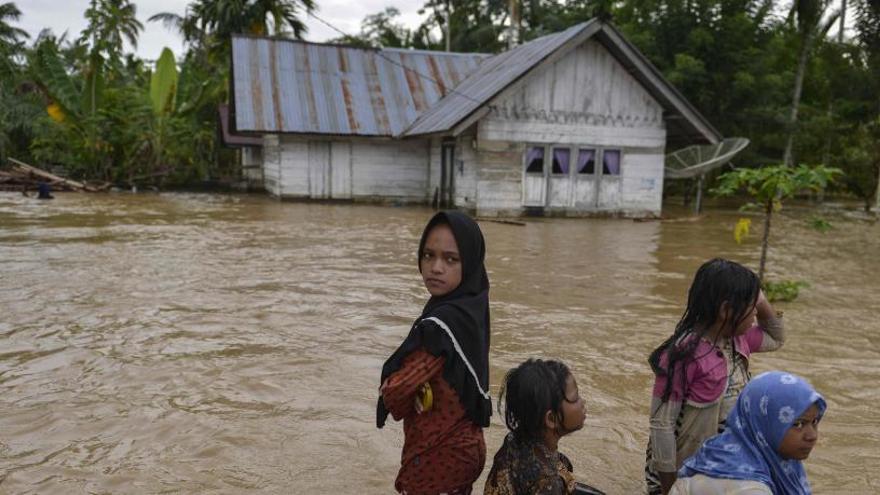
column 465, row 311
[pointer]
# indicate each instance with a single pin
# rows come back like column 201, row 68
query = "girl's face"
column 574, row 409
column 440, row 263
column 801, row 437
column 747, row 321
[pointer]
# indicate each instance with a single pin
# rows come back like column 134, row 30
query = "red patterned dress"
column 443, row 451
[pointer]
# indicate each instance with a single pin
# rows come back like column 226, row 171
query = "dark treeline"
column 781, row 74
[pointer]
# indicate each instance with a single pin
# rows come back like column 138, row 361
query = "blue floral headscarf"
column 748, row 448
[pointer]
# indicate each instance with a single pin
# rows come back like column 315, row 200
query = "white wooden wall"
column 272, row 164
column 351, row 169
column 586, row 98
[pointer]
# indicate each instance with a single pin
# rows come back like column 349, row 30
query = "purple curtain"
column 611, row 162
column 561, row 158
column 535, row 153
column 585, row 157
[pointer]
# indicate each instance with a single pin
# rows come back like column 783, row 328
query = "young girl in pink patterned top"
column 700, row 370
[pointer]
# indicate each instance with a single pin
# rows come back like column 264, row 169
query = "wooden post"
column 698, row 207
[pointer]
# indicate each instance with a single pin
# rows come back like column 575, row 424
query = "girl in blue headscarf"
column 772, row 428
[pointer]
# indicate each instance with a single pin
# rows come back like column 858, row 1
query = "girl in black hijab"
column 437, row 381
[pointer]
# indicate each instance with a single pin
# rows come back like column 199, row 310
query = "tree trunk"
column 768, row 211
column 446, row 33
column 796, row 99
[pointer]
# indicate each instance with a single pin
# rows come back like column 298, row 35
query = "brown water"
column 228, row 344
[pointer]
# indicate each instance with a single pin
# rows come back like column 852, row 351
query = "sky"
column 67, row 15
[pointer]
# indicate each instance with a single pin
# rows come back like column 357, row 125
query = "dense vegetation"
column 781, row 74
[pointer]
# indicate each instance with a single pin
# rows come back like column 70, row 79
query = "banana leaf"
column 51, row 76
column 163, row 84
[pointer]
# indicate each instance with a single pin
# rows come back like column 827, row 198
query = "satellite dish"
column 696, row 161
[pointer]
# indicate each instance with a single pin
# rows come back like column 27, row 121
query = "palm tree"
column 222, row 18
column 806, row 17
column 110, row 23
column 10, row 36
column 187, row 26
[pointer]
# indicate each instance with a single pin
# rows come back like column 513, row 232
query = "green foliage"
column 775, row 183
column 163, row 84
column 786, row 290
column 50, row 73
column 750, row 207
column 820, row 224
column 770, row 186
column 861, row 159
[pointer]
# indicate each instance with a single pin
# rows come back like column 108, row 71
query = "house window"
column 611, row 162
column 535, row 160
column 586, row 163
column 561, row 158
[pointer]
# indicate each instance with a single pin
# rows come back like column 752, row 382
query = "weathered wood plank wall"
column 586, row 99
column 350, row 169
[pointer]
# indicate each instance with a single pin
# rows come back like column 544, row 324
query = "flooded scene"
column 189, row 343
column 439, row 247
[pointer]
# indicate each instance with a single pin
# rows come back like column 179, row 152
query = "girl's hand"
column 765, row 310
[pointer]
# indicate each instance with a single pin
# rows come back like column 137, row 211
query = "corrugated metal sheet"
column 296, row 87
column 490, row 79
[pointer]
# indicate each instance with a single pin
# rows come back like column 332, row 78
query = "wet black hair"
column 528, row 392
column 717, row 281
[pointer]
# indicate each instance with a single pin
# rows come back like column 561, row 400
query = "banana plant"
column 166, row 103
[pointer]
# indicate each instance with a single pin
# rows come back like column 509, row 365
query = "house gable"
column 585, row 96
column 503, row 75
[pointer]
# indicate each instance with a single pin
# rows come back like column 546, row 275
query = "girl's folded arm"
column 398, row 391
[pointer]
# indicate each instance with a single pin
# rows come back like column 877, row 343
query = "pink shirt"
column 706, row 375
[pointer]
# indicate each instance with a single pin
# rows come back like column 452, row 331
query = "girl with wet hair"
column 437, row 380
column 700, row 369
column 541, row 405
column 773, row 427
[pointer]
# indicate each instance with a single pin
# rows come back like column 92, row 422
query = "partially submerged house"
column 573, row 123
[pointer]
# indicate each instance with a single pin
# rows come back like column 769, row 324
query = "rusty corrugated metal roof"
column 287, row 86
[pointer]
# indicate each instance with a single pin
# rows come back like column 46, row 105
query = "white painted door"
column 585, row 179
column 560, row 177
column 319, row 169
column 609, row 197
column 534, row 176
column 340, row 170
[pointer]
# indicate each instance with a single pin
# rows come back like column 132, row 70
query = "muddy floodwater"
column 184, row 343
